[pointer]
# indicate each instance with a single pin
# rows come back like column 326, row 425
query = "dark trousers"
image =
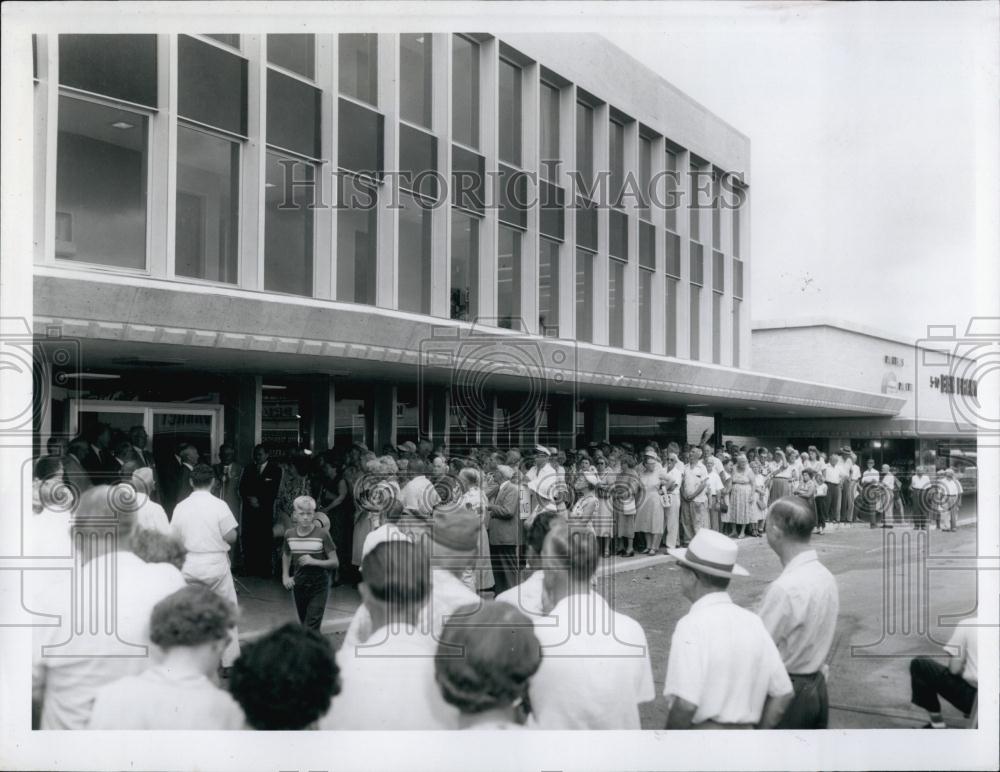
column 505, row 564
column 930, row 679
column 687, row 519
column 832, row 502
column 919, row 510
column 810, row 705
column 820, row 502
column 310, row 593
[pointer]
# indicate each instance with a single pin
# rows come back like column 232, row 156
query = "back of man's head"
column 571, row 551
column 793, row 518
column 202, row 476
column 397, row 575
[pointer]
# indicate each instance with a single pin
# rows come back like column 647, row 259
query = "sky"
column 867, row 128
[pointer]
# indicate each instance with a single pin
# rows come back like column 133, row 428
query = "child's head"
column 304, row 510
column 194, row 616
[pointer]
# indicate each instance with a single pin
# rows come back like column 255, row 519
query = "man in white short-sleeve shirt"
column 206, row 527
column 708, row 684
column 800, row 610
column 595, row 667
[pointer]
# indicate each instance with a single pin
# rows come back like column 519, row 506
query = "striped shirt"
column 316, row 543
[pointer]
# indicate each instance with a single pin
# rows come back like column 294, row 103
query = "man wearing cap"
column 694, row 496
column 541, row 467
column 503, row 529
column 595, row 667
column 452, row 538
column 708, row 684
column 64, row 686
column 799, row 610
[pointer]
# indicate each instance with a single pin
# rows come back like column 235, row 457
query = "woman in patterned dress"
column 473, row 498
column 742, row 498
column 649, row 507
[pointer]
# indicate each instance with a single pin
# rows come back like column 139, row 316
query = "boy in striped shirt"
column 308, row 556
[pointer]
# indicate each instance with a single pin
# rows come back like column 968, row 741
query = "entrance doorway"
column 167, row 423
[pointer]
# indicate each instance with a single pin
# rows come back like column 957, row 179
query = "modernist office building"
column 188, row 243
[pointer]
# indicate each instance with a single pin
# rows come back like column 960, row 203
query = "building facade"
column 320, row 239
column 935, row 377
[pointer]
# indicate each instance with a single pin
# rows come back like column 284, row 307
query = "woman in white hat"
column 649, row 507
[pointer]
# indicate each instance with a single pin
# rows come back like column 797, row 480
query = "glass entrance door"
column 167, row 423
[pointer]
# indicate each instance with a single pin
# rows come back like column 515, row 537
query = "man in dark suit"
column 74, row 473
column 175, row 476
column 138, row 438
column 98, row 461
column 258, row 490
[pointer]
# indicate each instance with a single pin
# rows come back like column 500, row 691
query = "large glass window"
column 645, row 177
column 510, row 113
column 716, row 211
column 468, row 179
column 293, row 115
column 618, row 234
column 716, row 328
column 671, row 197
column 415, row 54
column 584, row 296
column 359, row 140
column 670, row 317
column 414, row 255
column 295, row 52
column 119, row 66
column 509, row 279
column 551, row 203
column 585, row 147
column 288, row 224
column 718, row 272
column 693, row 203
column 695, row 326
column 418, row 161
column 549, row 130
column 356, row 241
column 586, row 224
column 616, row 158
column 211, row 85
column 208, row 180
column 737, row 278
column 464, row 266
column 736, row 227
column 616, row 303
column 101, row 167
column 646, row 309
column 647, row 245
column 548, row 288
column 736, row 332
column 513, row 196
column 673, row 254
column 358, row 60
column 465, row 91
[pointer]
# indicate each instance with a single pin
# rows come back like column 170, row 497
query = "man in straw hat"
column 708, row 684
column 799, row 610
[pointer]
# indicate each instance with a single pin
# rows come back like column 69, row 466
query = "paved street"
column 869, row 683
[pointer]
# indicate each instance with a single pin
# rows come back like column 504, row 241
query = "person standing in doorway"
column 258, row 491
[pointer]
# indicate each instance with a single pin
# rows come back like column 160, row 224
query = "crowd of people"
column 478, row 579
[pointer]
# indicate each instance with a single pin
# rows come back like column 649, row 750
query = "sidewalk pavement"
column 265, row 604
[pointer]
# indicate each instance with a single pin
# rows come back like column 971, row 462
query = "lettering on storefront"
column 949, row 384
column 890, row 382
